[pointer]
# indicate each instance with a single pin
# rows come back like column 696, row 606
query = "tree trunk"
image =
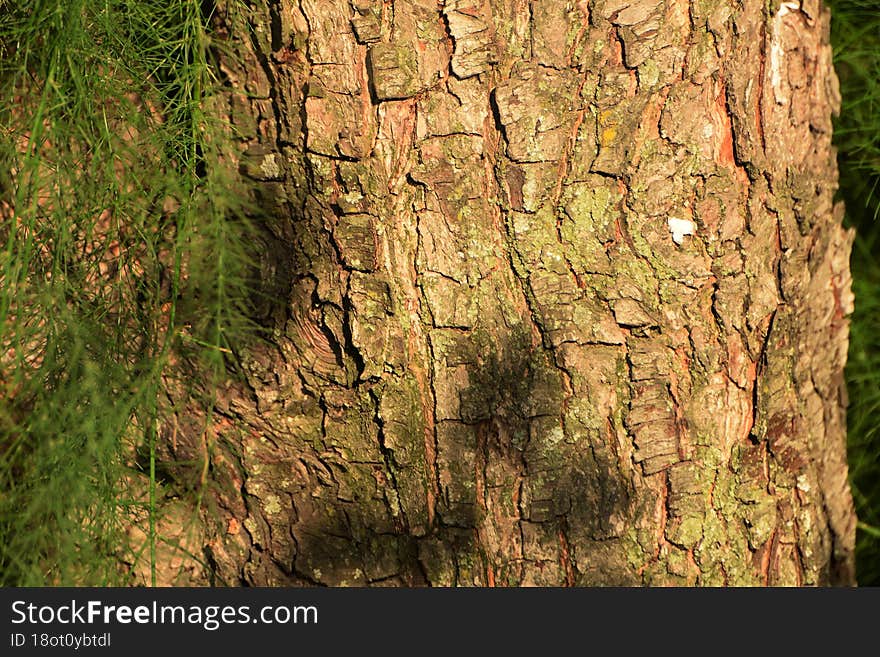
column 557, row 294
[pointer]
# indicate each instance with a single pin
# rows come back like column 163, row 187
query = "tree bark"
column 557, row 294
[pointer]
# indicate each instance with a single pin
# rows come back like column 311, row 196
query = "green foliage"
column 856, row 40
column 122, row 252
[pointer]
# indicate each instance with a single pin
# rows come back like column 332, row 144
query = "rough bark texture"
column 493, row 363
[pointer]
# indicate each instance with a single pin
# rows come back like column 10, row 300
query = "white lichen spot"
column 521, row 224
column 272, row 504
column 394, row 505
column 554, row 437
column 270, row 167
column 251, row 526
column 679, row 228
column 802, row 484
column 788, row 8
column 353, row 197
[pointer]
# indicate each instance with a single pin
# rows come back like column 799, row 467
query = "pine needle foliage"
column 123, row 250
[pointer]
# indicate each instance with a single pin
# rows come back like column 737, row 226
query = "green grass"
column 121, row 252
column 856, row 40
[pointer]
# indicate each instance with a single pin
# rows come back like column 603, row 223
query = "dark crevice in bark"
column 275, row 25
column 434, row 473
column 267, row 67
column 388, row 455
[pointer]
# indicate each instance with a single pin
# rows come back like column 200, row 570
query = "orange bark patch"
column 565, row 558
column 722, row 135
